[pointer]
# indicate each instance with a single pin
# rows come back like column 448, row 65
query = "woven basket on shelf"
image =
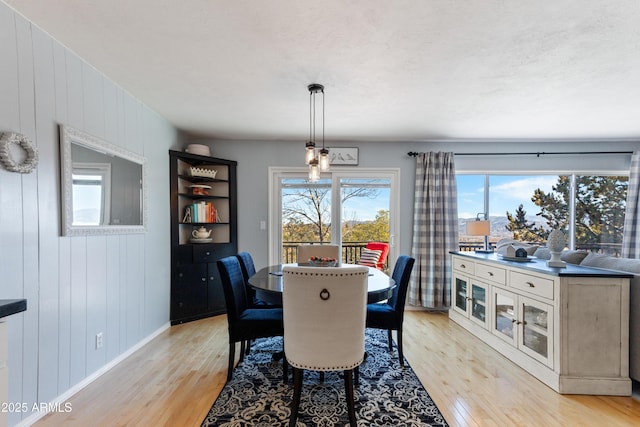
column 202, row 172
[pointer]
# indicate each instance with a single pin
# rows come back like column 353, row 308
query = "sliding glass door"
column 342, row 208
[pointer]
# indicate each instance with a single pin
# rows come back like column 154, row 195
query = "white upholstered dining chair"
column 324, row 312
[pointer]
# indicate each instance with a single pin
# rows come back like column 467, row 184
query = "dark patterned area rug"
column 387, row 395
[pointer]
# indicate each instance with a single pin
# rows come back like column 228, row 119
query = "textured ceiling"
column 401, row 70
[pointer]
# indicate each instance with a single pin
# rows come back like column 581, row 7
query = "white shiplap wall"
column 75, row 287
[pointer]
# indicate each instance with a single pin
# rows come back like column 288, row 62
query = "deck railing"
column 351, row 251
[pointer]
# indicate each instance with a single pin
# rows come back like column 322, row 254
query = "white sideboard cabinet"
column 568, row 327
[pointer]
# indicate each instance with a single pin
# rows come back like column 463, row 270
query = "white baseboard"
column 60, row 400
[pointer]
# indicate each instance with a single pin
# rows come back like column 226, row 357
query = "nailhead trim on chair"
column 315, row 368
column 302, row 273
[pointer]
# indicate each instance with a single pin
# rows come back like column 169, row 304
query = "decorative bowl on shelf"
column 315, row 261
column 199, row 149
column 200, row 190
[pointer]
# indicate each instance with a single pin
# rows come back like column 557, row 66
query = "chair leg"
column 248, row 347
column 297, row 391
column 321, row 376
column 356, row 375
column 349, row 393
column 390, row 340
column 285, row 370
column 400, row 355
column 232, row 357
column 242, row 350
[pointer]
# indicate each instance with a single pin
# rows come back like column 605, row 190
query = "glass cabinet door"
column 478, row 310
column 535, row 334
column 461, row 284
column 470, row 299
column 504, row 317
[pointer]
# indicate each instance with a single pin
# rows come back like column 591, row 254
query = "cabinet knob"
column 207, row 253
column 531, row 285
column 491, row 274
column 463, row 266
column 204, row 279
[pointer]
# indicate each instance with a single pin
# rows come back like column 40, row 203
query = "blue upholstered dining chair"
column 248, row 270
column 245, row 323
column 389, row 315
column 246, row 265
column 324, row 323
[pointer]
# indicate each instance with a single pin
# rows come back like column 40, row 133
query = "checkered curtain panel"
column 631, row 233
column 435, row 230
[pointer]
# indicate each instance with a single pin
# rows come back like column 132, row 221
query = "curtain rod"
column 537, row 153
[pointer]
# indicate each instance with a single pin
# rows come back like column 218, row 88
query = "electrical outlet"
column 99, row 340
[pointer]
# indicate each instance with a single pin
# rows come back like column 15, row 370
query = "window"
column 91, row 188
column 600, row 203
column 527, row 207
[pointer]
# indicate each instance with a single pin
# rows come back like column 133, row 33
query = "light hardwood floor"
column 173, row 380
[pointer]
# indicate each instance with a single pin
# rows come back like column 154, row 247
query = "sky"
column 365, row 209
column 506, row 193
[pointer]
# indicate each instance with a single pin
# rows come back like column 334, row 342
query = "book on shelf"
column 202, row 212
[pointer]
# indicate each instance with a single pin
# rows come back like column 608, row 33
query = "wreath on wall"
column 31, row 159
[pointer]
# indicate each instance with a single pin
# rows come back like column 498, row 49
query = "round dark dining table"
column 268, row 284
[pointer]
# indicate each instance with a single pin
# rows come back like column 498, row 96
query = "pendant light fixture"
column 321, row 162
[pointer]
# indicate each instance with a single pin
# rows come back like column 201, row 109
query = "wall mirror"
column 103, row 186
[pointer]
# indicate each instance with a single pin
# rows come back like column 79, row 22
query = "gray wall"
column 254, row 159
column 79, row 286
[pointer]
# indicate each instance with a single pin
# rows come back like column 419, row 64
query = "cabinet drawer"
column 532, row 284
column 463, row 264
column 491, row 273
column 204, row 253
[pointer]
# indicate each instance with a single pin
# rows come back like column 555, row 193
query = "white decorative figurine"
column 556, row 243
